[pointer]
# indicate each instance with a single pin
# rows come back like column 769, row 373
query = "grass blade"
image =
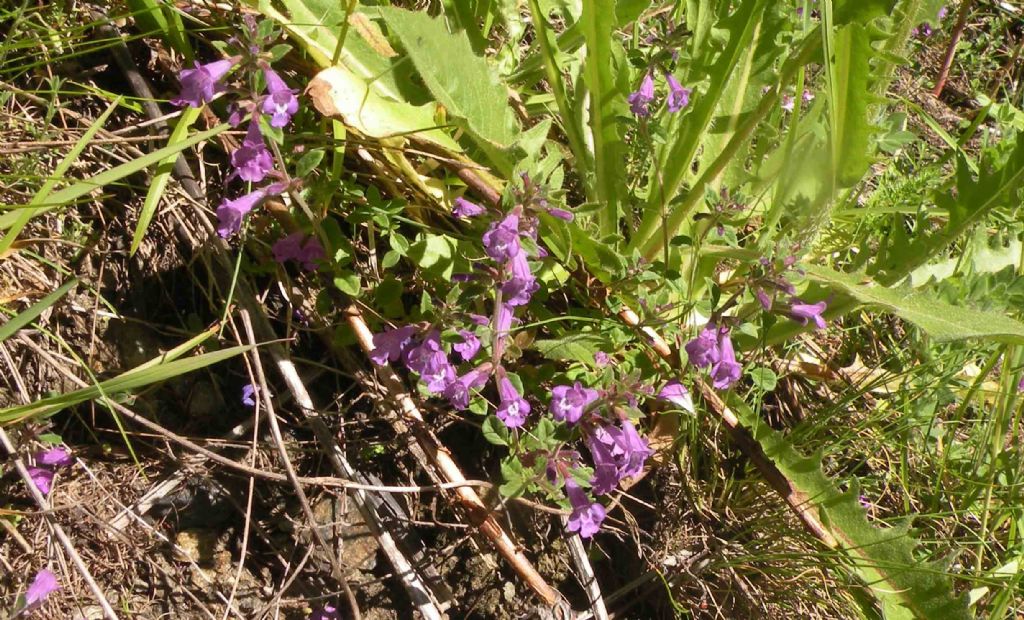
column 11, row 327
column 162, row 176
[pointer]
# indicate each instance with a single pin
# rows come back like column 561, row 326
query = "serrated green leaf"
column 463, row 82
column 576, row 347
column 885, row 559
column 941, row 320
column 495, row 431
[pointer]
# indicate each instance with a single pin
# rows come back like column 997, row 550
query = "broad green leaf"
column 851, row 131
column 576, row 347
column 13, row 325
column 939, row 319
column 131, row 380
column 466, row 84
column 606, row 104
column 163, row 174
column 885, row 559
column 338, row 93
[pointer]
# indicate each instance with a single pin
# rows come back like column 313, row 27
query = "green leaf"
column 516, row 479
column 435, row 253
column 463, row 82
column 308, row 162
column 939, row 319
column 851, row 129
column 606, row 103
column 154, row 16
column 576, row 347
column 9, row 328
column 349, row 283
column 153, row 372
column 885, row 559
column 163, row 174
column 495, row 431
column 764, row 378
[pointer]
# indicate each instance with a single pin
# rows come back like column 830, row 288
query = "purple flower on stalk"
column 569, row 402
column 438, row 374
column 801, row 313
column 513, row 408
column 281, row 103
column 521, row 284
column 586, row 515
column 640, row 99
column 292, row 248
column 458, row 391
column 230, row 213
column 618, row 452
column 630, row 450
column 252, row 160
column 431, row 362
column 1020, row 386
column 465, row 208
column 677, row 394
column 703, row 350
column 249, row 395
column 201, row 84
column 469, row 346
column 501, row 241
column 601, row 359
column 44, row 584
column 788, row 103
column 54, row 457
column 807, row 97
column 763, row 299
column 678, row 95
column 391, row 345
column 41, row 477
column 726, row 370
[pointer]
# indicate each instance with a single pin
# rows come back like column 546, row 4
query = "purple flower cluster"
column 251, row 162
column 47, row 462
column 713, row 348
column 640, row 100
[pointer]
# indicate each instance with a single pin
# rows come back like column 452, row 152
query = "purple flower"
column 561, row 214
column 457, row 392
column 788, row 103
column 54, row 457
column 252, row 160
column 513, row 408
column 586, row 515
column 248, row 395
column 390, row 345
column 469, row 346
column 601, row 359
column 521, row 284
column 199, row 85
column 327, row 612
column 569, row 402
column 1020, row 386
column 281, row 102
column 807, row 97
column 465, row 208
column 801, row 313
column 606, row 470
column 438, row 374
column 703, row 350
column 501, row 241
column 42, row 586
column 230, row 213
column 479, row 319
column 726, row 370
column 642, row 97
column 292, row 248
column 677, row 394
column 42, row 478
column 942, row 13
column 763, row 299
column 631, row 450
column 678, row 96
column 430, row 361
